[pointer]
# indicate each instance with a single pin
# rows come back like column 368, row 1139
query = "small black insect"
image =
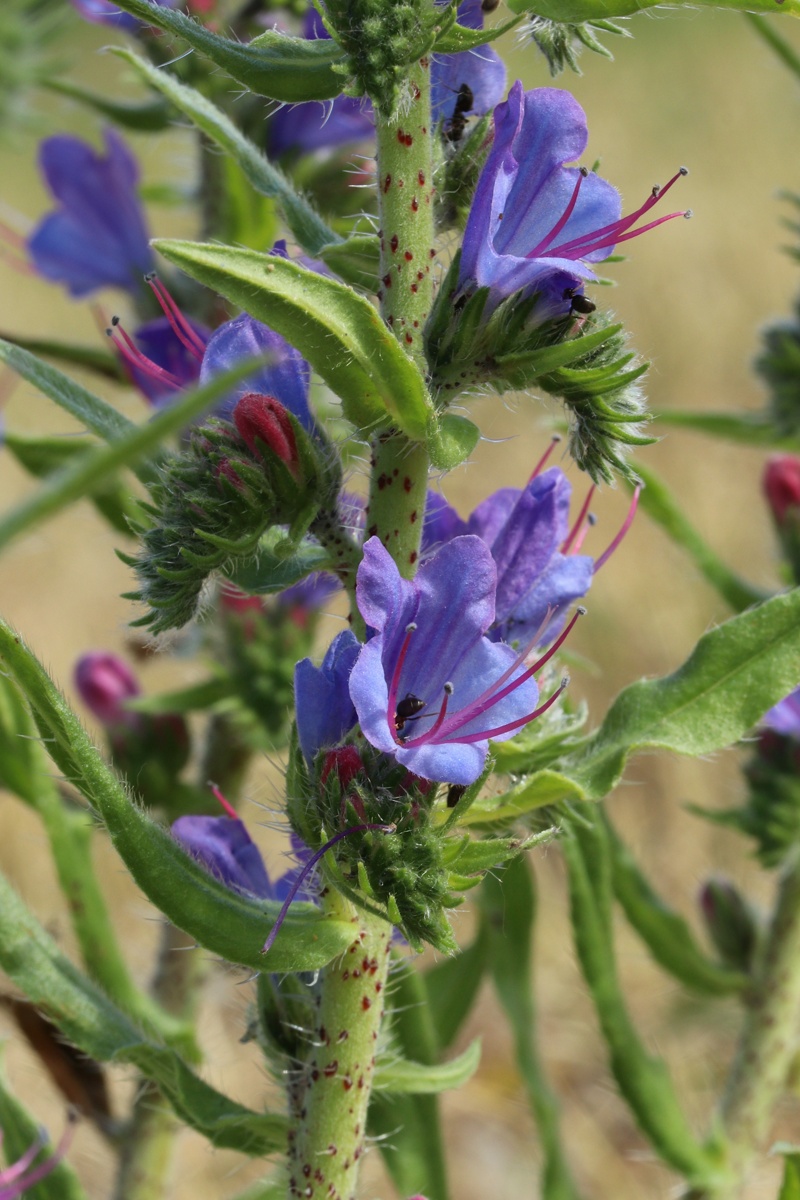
column 454, row 130
column 488, row 6
column 580, row 303
column 407, row 710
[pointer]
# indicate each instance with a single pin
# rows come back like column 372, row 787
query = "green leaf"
column 227, row 923
column 594, row 10
column 269, row 571
column 284, row 68
column 94, row 468
column 452, row 987
column 508, row 909
column 20, row 1131
column 338, row 331
column 89, row 358
column 658, row 502
column 457, row 38
column 536, row 791
column 304, row 222
column 90, row 1021
column 732, row 677
column 451, row 440
column 790, row 1187
column 750, row 429
column 191, row 699
column 355, row 260
column 401, row 1076
column 150, row 117
column 666, row 934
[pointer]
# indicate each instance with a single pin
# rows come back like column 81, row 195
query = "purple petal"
column 97, row 237
column 310, row 126
column 442, row 523
column 286, row 378
column 106, row 12
column 224, row 847
column 324, row 710
column 784, row 717
column 157, row 341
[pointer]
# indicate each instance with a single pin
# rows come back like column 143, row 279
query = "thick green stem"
column 329, row 1100
column 769, row 1041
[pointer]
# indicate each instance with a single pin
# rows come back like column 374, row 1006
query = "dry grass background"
column 694, row 88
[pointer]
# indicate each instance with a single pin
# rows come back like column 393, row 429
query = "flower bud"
column 262, row 421
column 104, row 683
column 731, row 923
column 346, row 762
column 782, row 487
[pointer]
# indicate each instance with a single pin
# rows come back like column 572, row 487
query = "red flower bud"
column 104, row 683
column 782, row 485
column 264, row 419
column 345, row 761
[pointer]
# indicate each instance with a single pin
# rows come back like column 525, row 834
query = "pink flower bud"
column 782, row 485
column 264, row 419
column 345, row 761
column 104, row 683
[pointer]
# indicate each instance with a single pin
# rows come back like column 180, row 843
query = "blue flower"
column 481, row 70
column 97, row 237
column 324, row 710
column 527, row 532
column 784, row 717
column 161, row 347
column 536, row 224
column 286, row 378
column 430, row 662
column 224, row 847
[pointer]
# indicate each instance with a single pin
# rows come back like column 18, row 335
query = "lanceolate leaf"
column 88, row 358
column 403, row 1076
column 595, row 10
column 34, row 963
column 751, row 429
column 338, row 331
column 285, row 68
column 304, row 222
column 227, row 923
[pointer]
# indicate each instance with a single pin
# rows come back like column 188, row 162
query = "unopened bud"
column 731, row 923
column 345, row 761
column 782, row 486
column 104, row 683
column 262, row 421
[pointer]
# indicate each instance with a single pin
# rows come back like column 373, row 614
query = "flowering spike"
column 626, row 524
column 306, row 870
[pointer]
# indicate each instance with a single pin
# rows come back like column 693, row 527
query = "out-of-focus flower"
column 104, row 683
column 17, row 1177
column 97, row 237
column 482, row 72
column 106, row 12
column 782, row 486
column 429, row 662
column 324, row 710
column 784, row 717
column 537, row 225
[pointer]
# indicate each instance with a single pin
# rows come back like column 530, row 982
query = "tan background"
column 694, row 88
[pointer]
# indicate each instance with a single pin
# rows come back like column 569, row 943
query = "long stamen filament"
column 561, row 222
column 581, row 538
column 226, row 805
column 609, row 234
column 394, row 686
column 133, row 356
column 12, row 1172
column 309, row 866
column 518, row 724
column 438, row 723
column 626, row 524
column 180, row 326
column 537, row 470
column 573, row 533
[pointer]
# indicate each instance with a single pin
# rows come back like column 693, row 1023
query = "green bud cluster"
column 583, row 361
column 561, row 42
column 381, row 40
column 211, row 505
column 778, row 364
column 772, row 813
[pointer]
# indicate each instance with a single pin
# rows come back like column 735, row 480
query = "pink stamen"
column 15, row 260
column 573, row 533
column 12, row 1172
column 394, row 686
column 133, row 357
column 438, row 723
column 537, row 470
column 626, row 524
column 226, row 804
column 561, row 222
column 309, row 866
column 180, row 326
column 518, row 724
column 609, row 234
column 17, row 1171
column 581, row 538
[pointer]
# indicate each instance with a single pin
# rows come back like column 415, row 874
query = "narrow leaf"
column 458, row 38
column 305, row 223
column 452, row 987
column 401, row 1076
column 751, row 429
column 659, row 503
column 149, row 117
column 338, row 331
column 89, row 358
column 594, row 10
column 273, row 64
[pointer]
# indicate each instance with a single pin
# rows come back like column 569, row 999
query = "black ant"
column 580, row 303
column 407, row 710
column 454, row 130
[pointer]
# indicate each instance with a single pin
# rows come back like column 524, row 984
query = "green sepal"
column 225, row 922
column 303, row 220
column 93, row 1024
column 561, row 42
column 271, row 571
column 401, row 1076
column 20, row 1131
column 338, row 331
column 273, row 64
column 589, row 10
column 665, row 933
column 476, row 856
column 451, row 439
column 149, row 117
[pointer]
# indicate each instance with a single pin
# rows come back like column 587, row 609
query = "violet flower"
column 430, row 662
column 286, row 377
column 324, row 710
column 482, row 71
column 784, row 717
column 104, row 682
column 178, row 366
column 537, row 225
column 97, row 237
column 19, row 1176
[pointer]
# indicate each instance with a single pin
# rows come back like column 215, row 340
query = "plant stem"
column 769, row 1040
column 330, row 1099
